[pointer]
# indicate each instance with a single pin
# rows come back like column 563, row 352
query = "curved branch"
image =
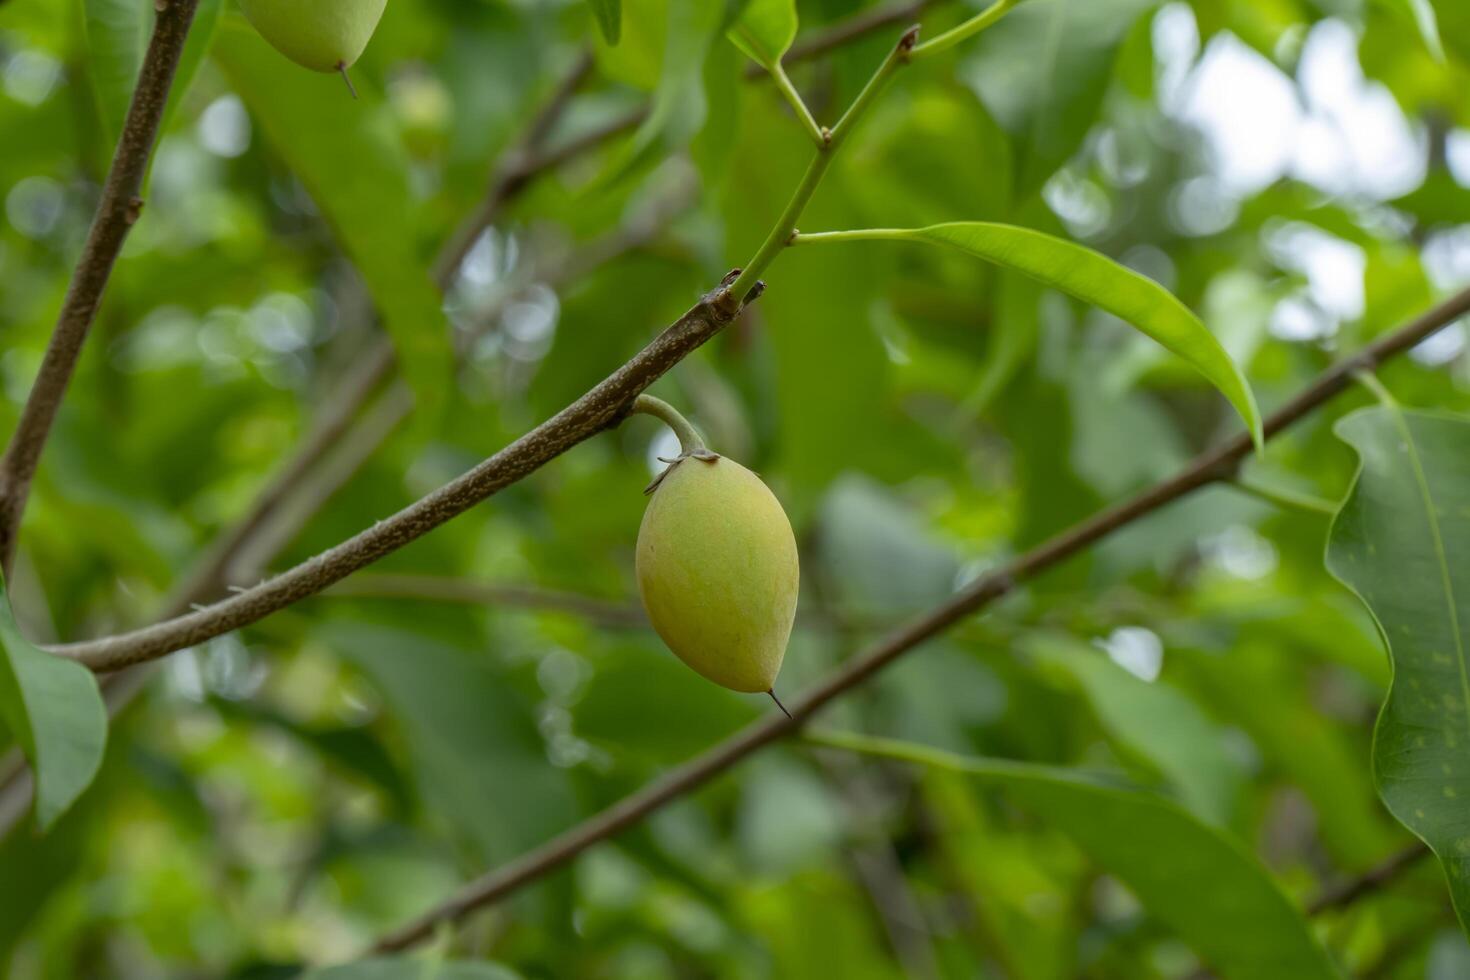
column 1211, row 466
column 599, row 408
column 117, row 212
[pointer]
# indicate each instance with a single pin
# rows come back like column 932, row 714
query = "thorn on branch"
column 134, row 210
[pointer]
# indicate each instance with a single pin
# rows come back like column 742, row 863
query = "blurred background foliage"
column 1295, row 170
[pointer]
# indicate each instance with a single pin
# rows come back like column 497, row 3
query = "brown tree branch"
column 117, row 211
column 517, row 169
column 603, row 406
column 291, row 495
column 1209, row 467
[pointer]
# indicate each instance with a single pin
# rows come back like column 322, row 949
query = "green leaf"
column 1043, row 70
column 117, row 35
column 1402, row 543
column 765, row 30
column 609, row 17
column 470, row 737
column 679, row 103
column 1425, row 21
column 411, row 968
column 54, row 710
column 1093, row 278
column 356, row 170
column 1155, row 722
column 1189, row 875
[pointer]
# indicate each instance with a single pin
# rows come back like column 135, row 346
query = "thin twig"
column 1207, row 468
column 512, row 175
column 1347, row 892
column 117, row 212
column 855, row 28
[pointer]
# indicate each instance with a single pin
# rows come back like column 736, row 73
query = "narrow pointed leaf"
column 679, row 103
column 54, row 711
column 1194, row 878
column 117, row 33
column 609, row 17
column 1402, row 543
column 765, row 30
column 1093, row 278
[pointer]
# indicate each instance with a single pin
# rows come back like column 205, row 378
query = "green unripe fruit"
column 717, row 570
column 323, row 35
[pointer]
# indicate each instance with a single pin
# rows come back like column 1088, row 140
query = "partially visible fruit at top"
column 323, row 35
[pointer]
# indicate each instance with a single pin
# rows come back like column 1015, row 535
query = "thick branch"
column 1210, row 466
column 598, row 409
column 117, row 211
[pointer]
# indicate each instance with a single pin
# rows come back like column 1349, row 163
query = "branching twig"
column 601, row 407
column 1209, row 467
column 117, row 211
column 859, row 26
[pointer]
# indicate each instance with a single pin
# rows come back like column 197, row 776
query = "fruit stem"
column 342, row 68
column 772, row 693
column 689, row 440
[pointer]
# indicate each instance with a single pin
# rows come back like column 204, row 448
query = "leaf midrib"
column 1421, row 480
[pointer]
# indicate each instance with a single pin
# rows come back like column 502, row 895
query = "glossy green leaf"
column 355, row 168
column 1402, row 543
column 54, row 711
column 1156, row 722
column 609, row 17
column 1093, row 278
column 1190, row 876
column 765, row 30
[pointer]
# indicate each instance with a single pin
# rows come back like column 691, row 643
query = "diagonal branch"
column 1207, row 468
column 601, row 407
column 1379, row 876
column 117, row 212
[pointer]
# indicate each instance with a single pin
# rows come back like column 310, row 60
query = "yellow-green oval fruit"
column 717, row 570
column 323, row 35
